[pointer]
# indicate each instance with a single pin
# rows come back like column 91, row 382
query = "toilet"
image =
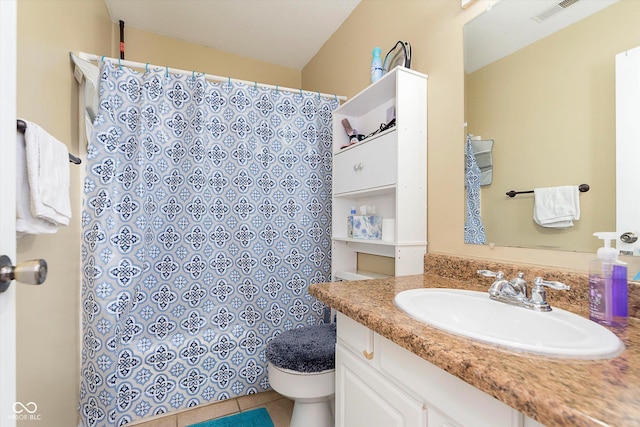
column 302, row 368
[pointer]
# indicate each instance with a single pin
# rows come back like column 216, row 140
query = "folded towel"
column 48, row 174
column 556, row 207
column 26, row 223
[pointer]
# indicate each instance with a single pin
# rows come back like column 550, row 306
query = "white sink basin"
column 557, row 333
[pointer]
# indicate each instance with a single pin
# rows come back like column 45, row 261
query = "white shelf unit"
column 387, row 170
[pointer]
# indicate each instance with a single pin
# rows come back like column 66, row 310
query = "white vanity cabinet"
column 369, row 399
column 380, row 384
column 387, row 170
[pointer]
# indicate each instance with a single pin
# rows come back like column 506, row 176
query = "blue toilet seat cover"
column 307, row 349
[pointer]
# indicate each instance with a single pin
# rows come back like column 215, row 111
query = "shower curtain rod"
column 126, row 63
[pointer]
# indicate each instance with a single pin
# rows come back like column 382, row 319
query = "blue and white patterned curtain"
column 473, row 226
column 206, row 217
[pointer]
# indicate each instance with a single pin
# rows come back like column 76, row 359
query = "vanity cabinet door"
column 530, row 422
column 438, row 419
column 451, row 402
column 364, row 398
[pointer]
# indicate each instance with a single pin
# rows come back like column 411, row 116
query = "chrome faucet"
column 514, row 291
column 514, row 288
column 519, row 285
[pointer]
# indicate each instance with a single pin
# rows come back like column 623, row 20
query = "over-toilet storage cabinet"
column 387, row 170
column 380, row 384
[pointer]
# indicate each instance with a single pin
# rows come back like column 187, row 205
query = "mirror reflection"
column 549, row 108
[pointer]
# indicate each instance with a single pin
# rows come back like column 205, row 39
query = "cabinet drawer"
column 357, row 337
column 369, row 165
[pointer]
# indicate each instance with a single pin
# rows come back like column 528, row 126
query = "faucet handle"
column 488, row 273
column 559, row 286
column 539, row 295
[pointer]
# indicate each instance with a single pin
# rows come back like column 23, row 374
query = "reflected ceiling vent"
column 546, row 14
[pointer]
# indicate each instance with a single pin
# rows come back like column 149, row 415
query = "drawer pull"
column 358, row 167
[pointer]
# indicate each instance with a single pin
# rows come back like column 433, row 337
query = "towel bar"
column 583, row 188
column 22, row 127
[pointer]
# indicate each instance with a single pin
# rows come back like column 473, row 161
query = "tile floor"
column 279, row 409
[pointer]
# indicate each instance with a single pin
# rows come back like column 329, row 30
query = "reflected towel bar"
column 22, row 126
column 582, row 187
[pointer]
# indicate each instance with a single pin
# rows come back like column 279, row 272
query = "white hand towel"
column 26, row 223
column 556, row 207
column 48, row 173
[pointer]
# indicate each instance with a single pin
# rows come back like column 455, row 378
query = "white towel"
column 556, row 207
column 26, row 223
column 48, row 174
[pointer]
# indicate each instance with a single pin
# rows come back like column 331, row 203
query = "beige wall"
column 434, row 29
column 550, row 108
column 48, row 317
column 142, row 46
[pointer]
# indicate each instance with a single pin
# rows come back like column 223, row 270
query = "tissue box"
column 365, row 227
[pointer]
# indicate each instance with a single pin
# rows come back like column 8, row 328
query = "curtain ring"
column 229, row 81
column 193, row 75
column 276, row 88
column 318, row 96
column 255, row 85
column 146, row 68
column 119, row 63
column 102, row 58
column 300, row 91
column 166, row 73
column 335, row 95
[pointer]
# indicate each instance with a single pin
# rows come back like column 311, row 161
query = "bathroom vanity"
column 392, row 370
column 378, row 383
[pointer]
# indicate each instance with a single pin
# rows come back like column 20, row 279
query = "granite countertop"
column 552, row 391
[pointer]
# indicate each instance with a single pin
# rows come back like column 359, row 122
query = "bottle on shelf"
column 350, row 222
column 376, row 65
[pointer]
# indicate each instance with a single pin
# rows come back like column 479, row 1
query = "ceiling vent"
column 546, row 14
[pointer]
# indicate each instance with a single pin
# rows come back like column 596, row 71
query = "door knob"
column 32, row 272
column 628, row 237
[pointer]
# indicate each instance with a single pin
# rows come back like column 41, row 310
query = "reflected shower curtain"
column 206, row 217
column 473, row 226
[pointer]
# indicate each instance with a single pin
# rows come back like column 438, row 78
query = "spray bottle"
column 608, row 292
column 376, row 65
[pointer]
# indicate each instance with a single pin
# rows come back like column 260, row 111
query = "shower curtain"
column 473, row 225
column 206, row 217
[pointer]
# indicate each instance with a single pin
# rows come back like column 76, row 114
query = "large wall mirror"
column 540, row 83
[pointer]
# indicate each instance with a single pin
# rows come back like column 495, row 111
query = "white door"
column 628, row 148
column 8, row 37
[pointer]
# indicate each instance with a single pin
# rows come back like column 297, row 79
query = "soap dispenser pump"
column 608, row 293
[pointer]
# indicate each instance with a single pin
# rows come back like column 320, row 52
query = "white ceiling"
column 283, row 32
column 508, row 26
